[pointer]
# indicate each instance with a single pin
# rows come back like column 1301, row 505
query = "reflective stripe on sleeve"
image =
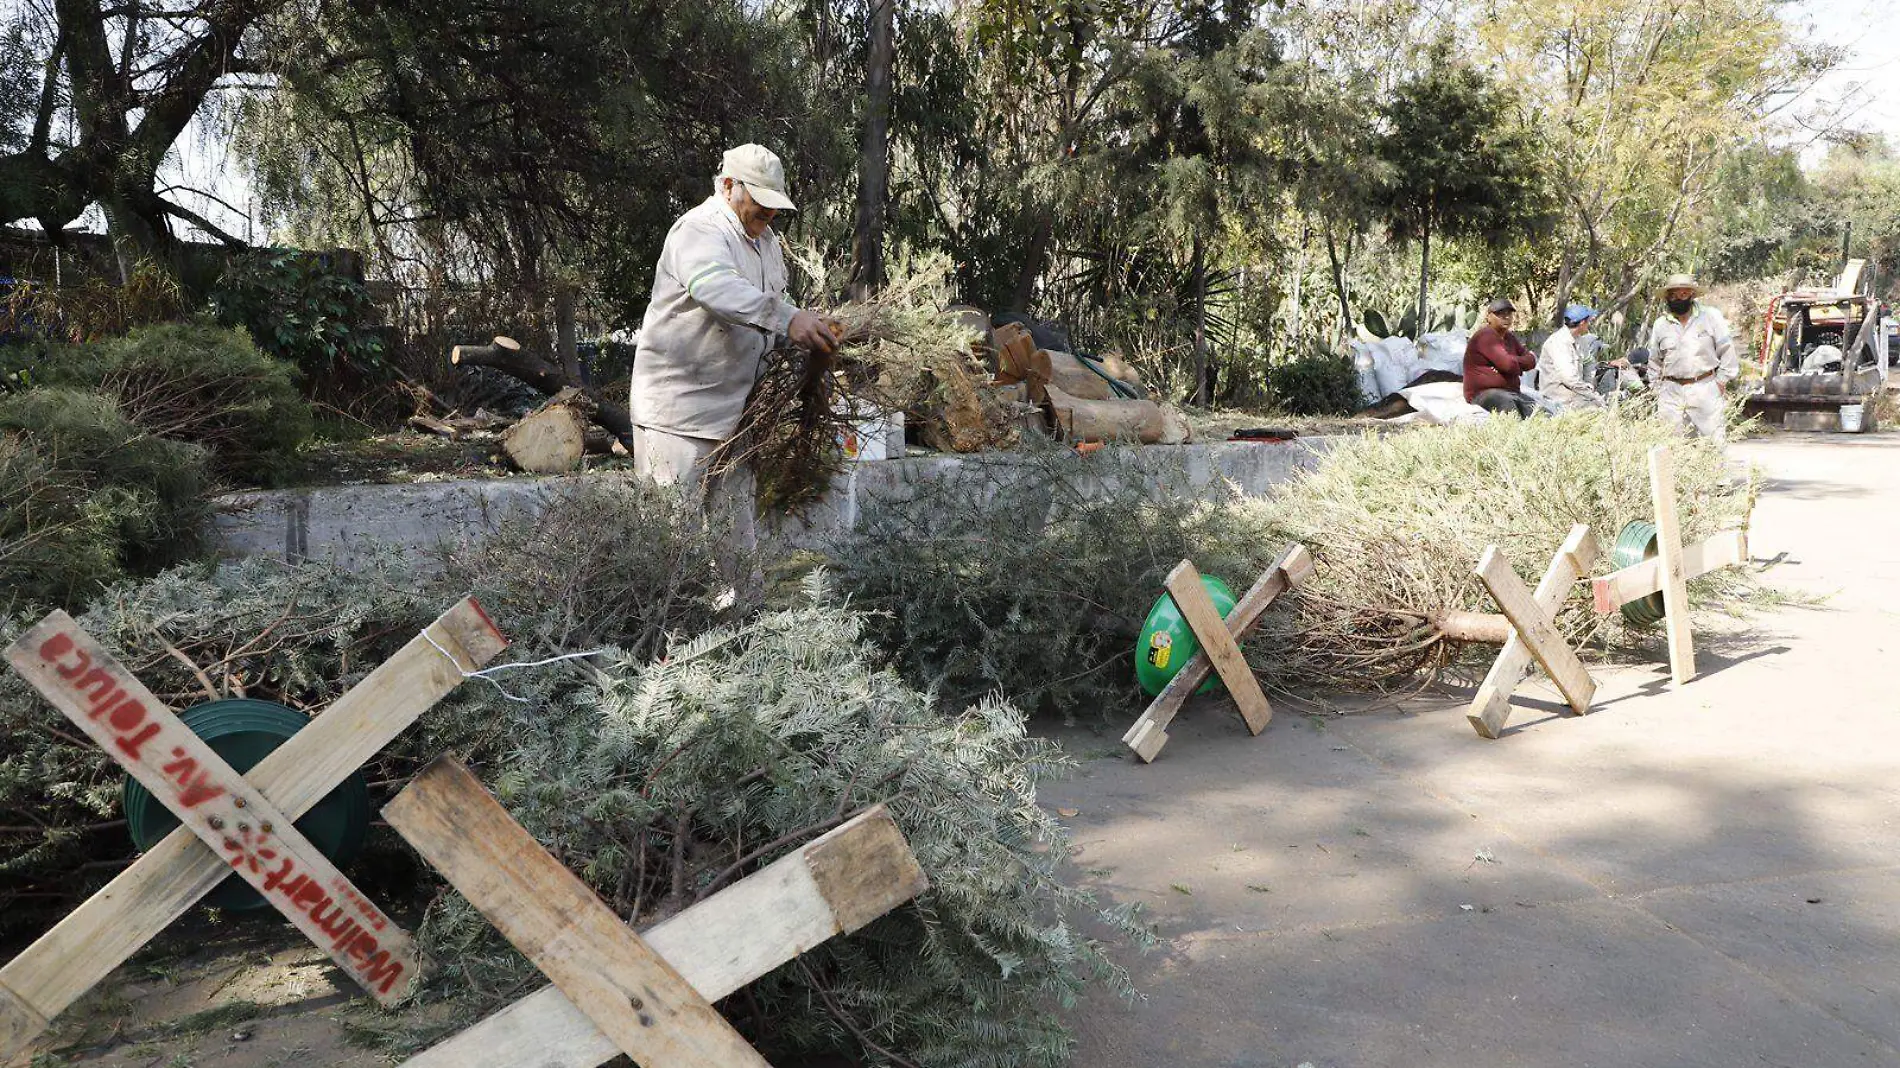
column 704, row 273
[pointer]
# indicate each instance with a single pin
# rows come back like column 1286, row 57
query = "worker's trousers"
column 729, row 500
column 1698, row 407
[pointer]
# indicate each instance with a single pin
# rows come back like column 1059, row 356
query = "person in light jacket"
column 1560, row 362
column 1692, row 361
column 718, row 305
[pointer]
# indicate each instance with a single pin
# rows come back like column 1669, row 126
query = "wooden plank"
column 1149, row 733
column 1537, row 630
column 255, row 838
column 718, row 945
column 614, row 977
column 1639, row 580
column 1675, row 588
column 102, row 933
column 1491, row 708
column 1197, row 608
column 19, row 1023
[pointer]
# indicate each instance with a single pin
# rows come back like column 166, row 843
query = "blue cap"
column 1577, row 313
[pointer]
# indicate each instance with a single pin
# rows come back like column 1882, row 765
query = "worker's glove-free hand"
column 809, row 330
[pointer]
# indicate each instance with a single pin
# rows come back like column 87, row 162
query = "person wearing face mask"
column 718, row 306
column 1692, row 361
column 1495, row 362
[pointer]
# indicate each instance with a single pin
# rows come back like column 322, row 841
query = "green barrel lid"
column 1635, row 543
column 243, row 731
column 1167, row 641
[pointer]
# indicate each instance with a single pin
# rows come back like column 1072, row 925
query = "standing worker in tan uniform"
column 1692, row 361
column 718, row 304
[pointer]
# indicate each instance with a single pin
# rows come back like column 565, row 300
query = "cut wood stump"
column 230, row 822
column 1674, row 564
column 1220, row 649
column 647, row 995
column 1534, row 635
column 552, row 439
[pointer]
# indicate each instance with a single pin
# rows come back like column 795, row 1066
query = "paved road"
column 1703, row 876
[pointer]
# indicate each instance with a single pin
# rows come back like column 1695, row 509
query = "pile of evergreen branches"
column 675, row 762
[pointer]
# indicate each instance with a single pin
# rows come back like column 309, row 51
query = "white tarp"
column 1443, row 403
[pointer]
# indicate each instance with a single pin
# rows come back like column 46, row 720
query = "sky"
column 1868, row 80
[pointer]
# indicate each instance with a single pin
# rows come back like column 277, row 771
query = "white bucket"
column 877, row 437
column 1851, row 418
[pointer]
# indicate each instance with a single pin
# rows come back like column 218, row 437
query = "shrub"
column 1029, row 574
column 87, row 498
column 94, row 307
column 201, row 384
column 298, row 309
column 1317, row 383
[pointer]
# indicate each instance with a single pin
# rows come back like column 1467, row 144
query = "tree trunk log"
column 507, row 356
column 1461, row 626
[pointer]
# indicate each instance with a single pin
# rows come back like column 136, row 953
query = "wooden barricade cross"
column 228, row 821
column 646, row 995
column 1670, row 570
column 1220, row 649
column 1534, row 632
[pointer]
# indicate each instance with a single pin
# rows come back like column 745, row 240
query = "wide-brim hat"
column 758, row 168
column 1681, row 281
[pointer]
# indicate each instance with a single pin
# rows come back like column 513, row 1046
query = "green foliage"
column 302, row 635
column 297, row 308
column 200, row 384
column 1440, row 318
column 1029, row 574
column 1461, row 163
column 680, row 776
column 1319, row 382
column 88, row 497
column 662, row 779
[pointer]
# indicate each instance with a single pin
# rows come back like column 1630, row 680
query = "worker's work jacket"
column 1682, row 351
column 1494, row 360
column 1560, row 371
column 718, row 301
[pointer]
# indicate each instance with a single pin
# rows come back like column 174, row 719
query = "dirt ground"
column 1693, row 876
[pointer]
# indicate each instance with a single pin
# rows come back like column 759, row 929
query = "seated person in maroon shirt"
column 1494, row 362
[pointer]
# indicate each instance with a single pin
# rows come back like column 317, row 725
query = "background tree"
column 1640, row 104
column 1459, row 163
column 116, row 86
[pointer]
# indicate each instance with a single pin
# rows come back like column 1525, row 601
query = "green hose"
column 1634, row 544
column 1115, row 385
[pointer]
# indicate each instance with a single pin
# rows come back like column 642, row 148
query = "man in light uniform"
column 718, row 303
column 1692, row 361
column 1560, row 362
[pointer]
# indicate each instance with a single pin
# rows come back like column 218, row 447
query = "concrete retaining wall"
column 347, row 522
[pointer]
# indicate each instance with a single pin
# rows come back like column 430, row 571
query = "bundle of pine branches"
column 1398, row 521
column 899, row 351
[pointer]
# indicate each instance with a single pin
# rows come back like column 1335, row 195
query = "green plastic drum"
column 243, row 731
column 1635, row 543
column 1167, row 641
